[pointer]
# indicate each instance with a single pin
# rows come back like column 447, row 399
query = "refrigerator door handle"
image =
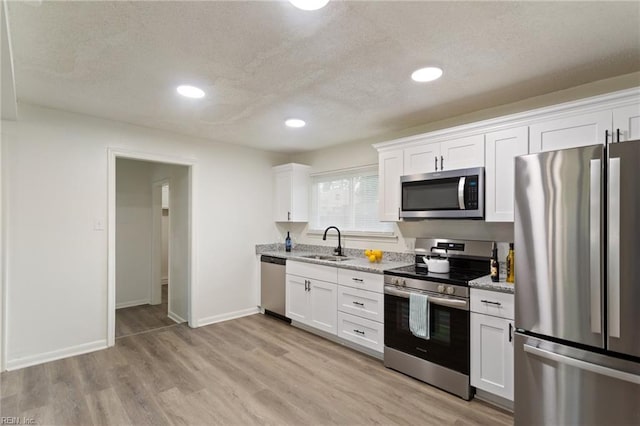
column 594, row 244
column 613, row 260
column 583, row 365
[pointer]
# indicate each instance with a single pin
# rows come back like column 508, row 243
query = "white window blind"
column 348, row 200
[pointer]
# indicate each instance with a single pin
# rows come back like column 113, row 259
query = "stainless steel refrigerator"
column 577, row 245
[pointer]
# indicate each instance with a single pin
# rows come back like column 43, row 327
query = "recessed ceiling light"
column 309, row 4
column 190, row 91
column 295, row 122
column 426, row 74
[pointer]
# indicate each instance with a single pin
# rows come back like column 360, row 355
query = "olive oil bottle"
column 510, row 264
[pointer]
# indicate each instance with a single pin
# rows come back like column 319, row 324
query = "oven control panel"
column 425, row 285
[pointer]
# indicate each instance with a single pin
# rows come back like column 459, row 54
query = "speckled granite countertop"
column 485, row 283
column 357, row 261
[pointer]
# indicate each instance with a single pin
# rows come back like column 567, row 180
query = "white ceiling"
column 344, row 69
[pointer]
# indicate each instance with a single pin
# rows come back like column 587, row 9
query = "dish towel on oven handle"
column 419, row 315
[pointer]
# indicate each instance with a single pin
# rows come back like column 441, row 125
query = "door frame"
column 155, row 292
column 113, row 154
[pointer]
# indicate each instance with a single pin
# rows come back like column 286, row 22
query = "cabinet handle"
column 441, row 162
column 360, row 280
column 491, row 303
column 288, row 215
column 606, row 136
column 436, row 158
column 358, row 303
column 359, row 332
column 510, row 332
column 309, row 285
column 618, row 135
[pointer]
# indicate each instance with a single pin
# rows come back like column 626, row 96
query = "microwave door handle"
column 461, row 183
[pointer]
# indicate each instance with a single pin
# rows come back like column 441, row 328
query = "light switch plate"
column 98, row 224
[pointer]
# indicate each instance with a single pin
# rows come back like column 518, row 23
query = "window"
column 348, row 200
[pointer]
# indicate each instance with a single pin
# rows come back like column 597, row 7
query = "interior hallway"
column 138, row 319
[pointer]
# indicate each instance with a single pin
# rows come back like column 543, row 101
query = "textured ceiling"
column 344, row 69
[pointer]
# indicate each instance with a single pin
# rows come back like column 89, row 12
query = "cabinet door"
column 570, row 132
column 627, row 120
column 421, row 159
column 297, row 299
column 282, row 208
column 389, row 171
column 501, row 150
column 492, row 355
column 462, row 153
column 323, row 309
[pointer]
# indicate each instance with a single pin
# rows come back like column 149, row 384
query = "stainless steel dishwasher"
column 272, row 288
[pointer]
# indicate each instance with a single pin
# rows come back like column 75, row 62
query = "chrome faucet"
column 338, row 250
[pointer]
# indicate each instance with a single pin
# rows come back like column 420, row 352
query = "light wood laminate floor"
column 138, row 319
column 252, row 370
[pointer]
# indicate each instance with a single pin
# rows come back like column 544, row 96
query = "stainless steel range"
column 443, row 359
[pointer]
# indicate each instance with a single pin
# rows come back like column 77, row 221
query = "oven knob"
column 440, row 288
column 451, row 290
column 404, row 282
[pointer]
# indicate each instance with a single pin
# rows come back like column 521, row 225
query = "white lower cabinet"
column 344, row 302
column 361, row 331
column 492, row 352
column 310, row 300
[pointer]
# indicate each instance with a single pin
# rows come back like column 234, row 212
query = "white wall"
column 56, row 187
column 133, row 232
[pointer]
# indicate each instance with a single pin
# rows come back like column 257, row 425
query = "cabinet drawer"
column 492, row 303
column 363, row 303
column 311, row 270
column 361, row 331
column 361, row 280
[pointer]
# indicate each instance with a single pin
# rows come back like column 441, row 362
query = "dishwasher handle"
column 273, row 259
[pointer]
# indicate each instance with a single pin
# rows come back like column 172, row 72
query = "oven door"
column 448, row 344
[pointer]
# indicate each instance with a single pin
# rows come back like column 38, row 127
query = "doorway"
column 150, row 244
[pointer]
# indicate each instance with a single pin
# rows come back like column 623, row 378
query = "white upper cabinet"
column 627, row 120
column 453, row 154
column 291, row 198
column 390, row 167
column 501, row 150
column 570, row 132
column 421, row 158
column 462, row 153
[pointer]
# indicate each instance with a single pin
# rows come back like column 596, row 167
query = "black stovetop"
column 455, row 276
column 462, row 270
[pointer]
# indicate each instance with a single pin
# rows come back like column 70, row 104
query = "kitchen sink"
column 327, row 257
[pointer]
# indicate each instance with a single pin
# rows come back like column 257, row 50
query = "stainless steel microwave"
column 451, row 194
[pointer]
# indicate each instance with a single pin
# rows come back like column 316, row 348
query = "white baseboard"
column 226, row 317
column 132, row 303
column 15, row 364
column 176, row 318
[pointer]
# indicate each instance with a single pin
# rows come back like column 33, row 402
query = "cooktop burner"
column 455, row 276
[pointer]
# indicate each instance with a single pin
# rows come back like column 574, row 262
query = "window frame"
column 371, row 169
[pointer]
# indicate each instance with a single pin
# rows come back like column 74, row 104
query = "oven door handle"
column 450, row 303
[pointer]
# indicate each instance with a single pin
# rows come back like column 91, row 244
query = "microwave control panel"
column 471, row 193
